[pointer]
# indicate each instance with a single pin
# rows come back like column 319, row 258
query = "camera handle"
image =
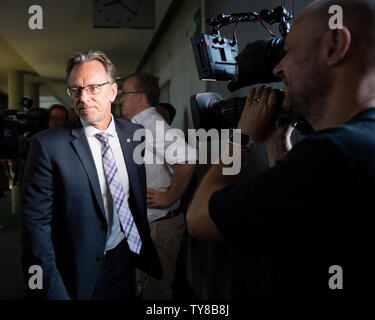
column 279, row 14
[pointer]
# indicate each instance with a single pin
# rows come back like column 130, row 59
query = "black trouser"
column 116, row 279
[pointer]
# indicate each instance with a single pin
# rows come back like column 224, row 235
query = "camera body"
column 218, row 58
column 14, row 124
column 215, row 57
column 9, row 130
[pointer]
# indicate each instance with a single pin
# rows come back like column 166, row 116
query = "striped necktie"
column 118, row 195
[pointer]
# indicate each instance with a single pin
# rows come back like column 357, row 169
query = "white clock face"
column 115, row 13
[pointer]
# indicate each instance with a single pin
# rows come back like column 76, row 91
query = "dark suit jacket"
column 65, row 228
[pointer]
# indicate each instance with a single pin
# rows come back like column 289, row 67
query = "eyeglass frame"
column 84, row 88
column 124, row 93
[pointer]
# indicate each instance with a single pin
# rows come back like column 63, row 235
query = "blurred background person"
column 58, row 114
column 167, row 180
column 180, row 287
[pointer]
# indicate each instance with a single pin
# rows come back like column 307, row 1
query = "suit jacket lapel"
column 148, row 260
column 127, row 145
column 135, row 174
column 83, row 150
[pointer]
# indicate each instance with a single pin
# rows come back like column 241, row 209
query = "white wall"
column 173, row 62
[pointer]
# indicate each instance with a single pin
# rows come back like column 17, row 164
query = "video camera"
column 218, row 58
column 14, row 124
column 16, row 130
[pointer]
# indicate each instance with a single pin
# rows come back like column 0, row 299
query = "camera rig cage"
column 215, row 55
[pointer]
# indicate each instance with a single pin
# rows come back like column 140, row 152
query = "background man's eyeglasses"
column 124, row 93
column 90, row 90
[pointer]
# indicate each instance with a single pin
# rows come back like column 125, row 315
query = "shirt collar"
column 90, row 130
column 139, row 117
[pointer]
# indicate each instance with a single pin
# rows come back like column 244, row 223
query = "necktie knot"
column 102, row 136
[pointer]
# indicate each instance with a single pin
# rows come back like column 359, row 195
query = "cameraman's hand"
column 258, row 118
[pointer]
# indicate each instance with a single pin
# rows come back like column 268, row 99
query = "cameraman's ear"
column 336, row 45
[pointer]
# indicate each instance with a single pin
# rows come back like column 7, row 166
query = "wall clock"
column 116, row 13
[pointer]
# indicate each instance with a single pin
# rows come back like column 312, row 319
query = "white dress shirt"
column 115, row 234
column 160, row 176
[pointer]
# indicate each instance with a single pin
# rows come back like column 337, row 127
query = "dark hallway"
column 11, row 281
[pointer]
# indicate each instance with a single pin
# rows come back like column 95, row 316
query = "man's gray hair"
column 92, row 55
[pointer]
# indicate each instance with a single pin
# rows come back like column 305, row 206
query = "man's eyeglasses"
column 90, row 90
column 124, row 93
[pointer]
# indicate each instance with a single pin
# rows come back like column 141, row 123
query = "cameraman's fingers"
column 265, row 93
column 250, row 97
column 258, row 94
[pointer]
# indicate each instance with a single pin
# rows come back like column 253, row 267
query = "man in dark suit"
column 85, row 221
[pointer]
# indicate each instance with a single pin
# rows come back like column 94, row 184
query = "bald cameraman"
column 309, row 211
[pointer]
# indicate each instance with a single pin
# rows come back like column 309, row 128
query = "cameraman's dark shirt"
column 310, row 211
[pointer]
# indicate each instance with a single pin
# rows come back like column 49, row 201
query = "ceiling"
column 67, row 28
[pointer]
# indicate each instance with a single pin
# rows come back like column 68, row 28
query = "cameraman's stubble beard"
column 307, row 91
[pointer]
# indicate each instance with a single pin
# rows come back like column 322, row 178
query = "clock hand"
column 111, row 3
column 127, row 8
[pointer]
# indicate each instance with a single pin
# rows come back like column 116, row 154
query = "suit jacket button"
column 100, row 258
